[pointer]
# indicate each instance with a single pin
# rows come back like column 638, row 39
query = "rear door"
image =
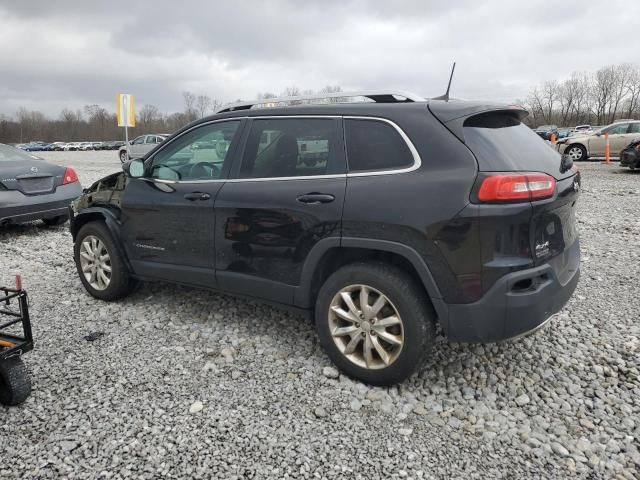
column 286, row 195
column 617, row 136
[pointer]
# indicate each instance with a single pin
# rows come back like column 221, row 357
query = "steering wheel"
column 204, row 169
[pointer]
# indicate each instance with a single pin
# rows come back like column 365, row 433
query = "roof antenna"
column 445, row 97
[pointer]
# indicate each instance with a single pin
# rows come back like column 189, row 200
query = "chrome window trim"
column 417, row 161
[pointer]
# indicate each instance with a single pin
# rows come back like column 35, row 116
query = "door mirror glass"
column 134, row 168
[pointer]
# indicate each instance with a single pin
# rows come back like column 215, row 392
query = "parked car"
column 32, row 189
column 141, row 145
column 564, row 133
column 545, row 131
column 592, row 144
column 84, row 146
column 34, row 147
column 71, row 146
column 582, row 128
column 630, row 155
column 409, row 213
column 58, row 146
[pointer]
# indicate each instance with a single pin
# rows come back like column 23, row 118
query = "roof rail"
column 378, row 96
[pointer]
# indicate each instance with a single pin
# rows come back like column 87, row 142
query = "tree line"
column 595, row 98
column 96, row 123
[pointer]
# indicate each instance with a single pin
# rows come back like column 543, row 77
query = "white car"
column 140, row 146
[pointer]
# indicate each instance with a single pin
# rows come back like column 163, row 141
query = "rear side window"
column 375, row 145
column 635, row 128
column 292, row 147
column 501, row 142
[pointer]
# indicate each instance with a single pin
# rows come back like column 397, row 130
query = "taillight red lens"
column 519, row 187
column 70, row 176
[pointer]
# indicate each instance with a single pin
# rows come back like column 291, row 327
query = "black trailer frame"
column 12, row 345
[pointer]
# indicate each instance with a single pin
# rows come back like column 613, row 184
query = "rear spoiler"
column 453, row 114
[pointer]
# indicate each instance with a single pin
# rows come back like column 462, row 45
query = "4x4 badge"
column 34, row 169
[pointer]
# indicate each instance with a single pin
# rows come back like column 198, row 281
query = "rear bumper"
column 513, row 307
column 18, row 208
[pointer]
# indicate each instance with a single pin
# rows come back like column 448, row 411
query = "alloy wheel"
column 95, row 262
column 575, row 153
column 366, row 326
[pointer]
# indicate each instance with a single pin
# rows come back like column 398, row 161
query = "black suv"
column 383, row 218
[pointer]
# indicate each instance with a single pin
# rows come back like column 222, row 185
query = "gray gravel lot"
column 562, row 403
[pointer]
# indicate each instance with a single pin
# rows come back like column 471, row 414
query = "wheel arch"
column 332, row 253
column 105, row 215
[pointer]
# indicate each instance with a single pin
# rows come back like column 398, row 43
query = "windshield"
column 12, row 154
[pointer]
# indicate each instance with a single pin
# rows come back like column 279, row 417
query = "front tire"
column 375, row 322
column 100, row 264
column 123, row 156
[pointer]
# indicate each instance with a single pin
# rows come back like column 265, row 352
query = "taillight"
column 69, row 176
column 516, row 187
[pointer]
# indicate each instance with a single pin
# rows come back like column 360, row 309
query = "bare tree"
column 203, row 105
column 148, row 116
column 632, row 104
column 189, row 106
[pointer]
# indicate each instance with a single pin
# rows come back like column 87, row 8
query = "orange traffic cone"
column 607, row 149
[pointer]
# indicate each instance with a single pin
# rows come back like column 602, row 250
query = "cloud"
column 72, row 53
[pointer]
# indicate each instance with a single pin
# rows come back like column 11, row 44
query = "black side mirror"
column 134, row 168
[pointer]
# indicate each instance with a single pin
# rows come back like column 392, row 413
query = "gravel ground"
column 188, row 383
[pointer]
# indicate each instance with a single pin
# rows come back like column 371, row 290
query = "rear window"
column 375, row 145
column 12, row 154
column 501, row 142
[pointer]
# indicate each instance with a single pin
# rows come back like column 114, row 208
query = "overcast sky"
column 56, row 54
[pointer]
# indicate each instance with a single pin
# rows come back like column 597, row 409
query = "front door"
column 168, row 216
column 284, row 197
column 136, row 149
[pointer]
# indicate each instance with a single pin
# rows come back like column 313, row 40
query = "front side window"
column 635, row 128
column 151, row 139
column 619, row 129
column 291, row 147
column 139, row 141
column 375, row 145
column 199, row 154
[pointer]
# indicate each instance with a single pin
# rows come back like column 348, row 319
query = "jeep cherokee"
column 381, row 218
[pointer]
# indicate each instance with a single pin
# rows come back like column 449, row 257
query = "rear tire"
column 576, row 152
column 386, row 351
column 100, row 264
column 15, row 384
column 52, row 222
